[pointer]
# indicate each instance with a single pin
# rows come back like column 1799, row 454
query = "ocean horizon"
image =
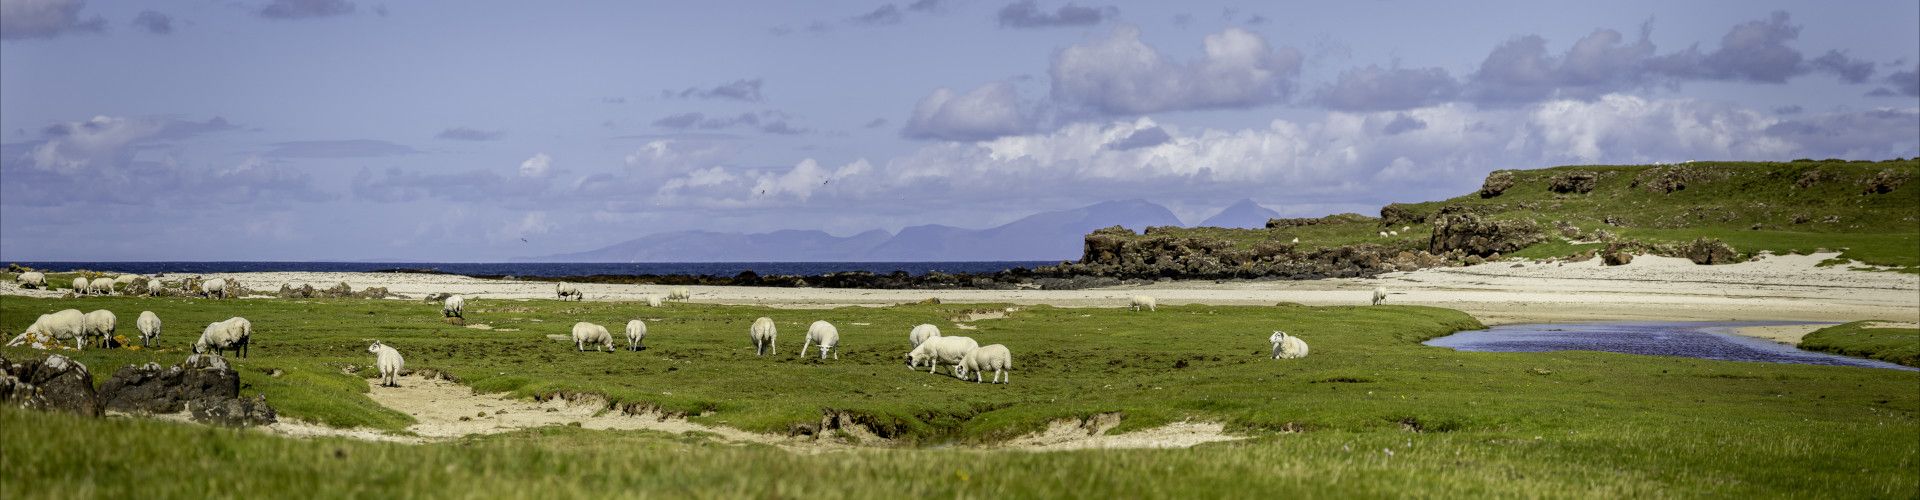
column 725, row 269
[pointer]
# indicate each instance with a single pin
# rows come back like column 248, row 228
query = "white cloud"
column 992, row 110
column 1121, row 75
column 537, row 167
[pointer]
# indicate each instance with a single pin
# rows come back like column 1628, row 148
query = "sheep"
column 234, row 334
column 994, row 357
column 102, row 286
column 388, row 360
column 102, row 323
column 1296, row 239
column 1406, row 228
column 124, row 280
column 653, row 300
column 922, row 333
column 565, row 290
column 764, row 334
column 1379, row 295
column 1287, row 346
column 31, row 279
column 80, row 285
column 215, row 287
column 937, row 349
column 585, row 333
column 679, row 293
column 1393, row 233
column 824, row 334
column 62, row 325
column 454, row 307
column 149, row 324
column 1383, row 234
column 1142, row 301
column 636, row 335
column 154, row 287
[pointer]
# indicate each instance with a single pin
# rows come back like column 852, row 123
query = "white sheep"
column 102, row 286
column 62, row 325
column 154, row 287
column 233, row 334
column 31, row 279
column 214, row 288
column 822, row 333
column 149, row 324
column 1142, row 301
column 1393, row 233
column 994, row 357
column 764, row 334
column 636, row 335
column 1406, row 228
column 566, row 290
column 935, row 350
column 101, row 324
column 124, row 280
column 653, row 300
column 1287, row 346
column 80, row 286
column 454, row 307
column 922, row 333
column 1379, row 295
column 679, row 293
column 388, row 360
column 585, row 334
column 1296, row 239
column 1383, row 234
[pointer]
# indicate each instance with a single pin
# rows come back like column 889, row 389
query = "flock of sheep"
column 214, row 288
column 231, row 334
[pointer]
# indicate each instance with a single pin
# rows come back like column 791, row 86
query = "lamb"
column 389, row 362
column 31, row 279
column 62, row 325
column 922, row 333
column 80, row 286
column 1379, row 295
column 102, row 286
column 653, row 300
column 1287, row 346
column 102, row 323
column 764, row 334
column 215, row 287
column 994, row 357
column 454, row 307
column 935, row 350
column 1140, row 301
column 636, row 335
column 149, row 324
column 220, row 336
column 585, row 333
column 565, row 290
column 823, row 333
column 679, row 293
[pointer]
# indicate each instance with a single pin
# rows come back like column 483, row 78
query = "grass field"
column 1455, row 423
column 1893, row 345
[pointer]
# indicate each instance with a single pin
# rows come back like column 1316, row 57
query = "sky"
column 482, row 131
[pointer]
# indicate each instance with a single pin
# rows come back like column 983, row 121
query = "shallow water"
column 1704, row 340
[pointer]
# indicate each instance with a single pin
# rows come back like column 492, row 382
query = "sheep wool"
column 824, row 334
column 585, row 334
column 636, row 335
column 995, row 358
column 149, row 324
column 1143, row 302
column 388, row 360
column 764, row 335
column 922, row 333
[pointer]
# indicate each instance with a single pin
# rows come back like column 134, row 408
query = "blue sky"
column 455, row 131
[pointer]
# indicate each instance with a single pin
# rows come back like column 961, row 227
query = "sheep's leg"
column 836, row 352
column 803, row 346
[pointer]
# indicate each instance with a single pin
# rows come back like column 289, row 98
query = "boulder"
column 1496, row 183
column 1479, row 236
column 54, row 382
column 203, row 385
column 1663, row 180
column 1884, row 182
column 1710, row 251
column 1580, row 182
column 1398, row 214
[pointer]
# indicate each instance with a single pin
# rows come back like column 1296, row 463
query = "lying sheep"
column 567, row 290
column 922, row 333
column 454, row 307
column 679, row 293
column 389, row 362
column 149, row 324
column 764, row 334
column 1142, row 301
column 1393, row 233
column 233, row 334
column 994, row 357
column 1383, row 234
column 585, row 334
column 1379, row 295
column 214, row 288
column 653, row 300
column 63, row 325
column 636, row 335
column 937, row 349
column 101, row 324
column 102, row 286
column 1287, row 346
column 824, row 334
column 31, row 279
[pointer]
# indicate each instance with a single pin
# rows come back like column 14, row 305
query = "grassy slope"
column 1878, row 229
column 1599, row 423
column 1894, row 345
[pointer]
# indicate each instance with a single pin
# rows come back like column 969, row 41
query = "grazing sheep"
column 922, row 333
column 565, row 290
column 154, row 287
column 454, row 307
column 636, row 335
column 1393, row 233
column 124, row 280
column 1379, row 295
column 1296, row 239
column 31, row 279
column 101, row 324
column 937, row 349
column 62, row 325
column 214, row 288
column 653, row 300
column 389, row 362
column 1406, row 228
column 149, row 324
column 1142, row 301
column 233, row 334
column 1383, row 234
column 80, row 286
column 994, row 357
column 102, row 286
column 585, row 334
column 679, row 293
column 764, row 334
column 1287, row 346
column 824, row 334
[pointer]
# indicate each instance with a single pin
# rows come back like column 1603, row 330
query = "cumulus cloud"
column 305, row 9
column 1141, row 138
column 721, row 187
column 469, row 134
column 351, row 148
column 992, row 110
column 1754, row 51
column 537, row 167
column 1374, row 88
column 1028, row 14
column 108, row 141
column 1903, row 83
column 153, row 22
column 1120, row 75
column 1849, row 70
column 1878, row 133
column 27, row 19
column 745, row 90
column 1522, row 70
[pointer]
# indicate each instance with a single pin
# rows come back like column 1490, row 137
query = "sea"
column 727, row 269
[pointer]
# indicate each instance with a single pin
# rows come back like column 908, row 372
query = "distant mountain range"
column 1044, row 236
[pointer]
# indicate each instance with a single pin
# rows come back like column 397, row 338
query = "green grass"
column 1600, row 424
column 1893, row 345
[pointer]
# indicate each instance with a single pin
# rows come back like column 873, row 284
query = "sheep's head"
column 375, row 348
column 200, row 346
column 1278, row 337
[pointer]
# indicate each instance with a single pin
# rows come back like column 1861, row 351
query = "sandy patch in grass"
column 1909, row 325
column 1091, row 433
column 1785, row 334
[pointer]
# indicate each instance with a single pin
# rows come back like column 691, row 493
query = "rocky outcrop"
column 1663, row 180
column 1496, row 183
column 1124, row 255
column 1578, row 182
column 1710, row 251
column 203, row 384
column 54, row 382
column 1480, row 236
column 1884, row 182
column 1401, row 214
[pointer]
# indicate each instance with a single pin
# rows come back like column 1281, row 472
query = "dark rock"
column 1496, row 183
column 1663, row 180
column 52, row 383
column 1811, row 178
column 1884, row 182
column 1616, row 255
column 1580, row 182
column 1802, row 218
column 1710, row 251
column 203, row 384
column 1480, row 236
column 1398, row 214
